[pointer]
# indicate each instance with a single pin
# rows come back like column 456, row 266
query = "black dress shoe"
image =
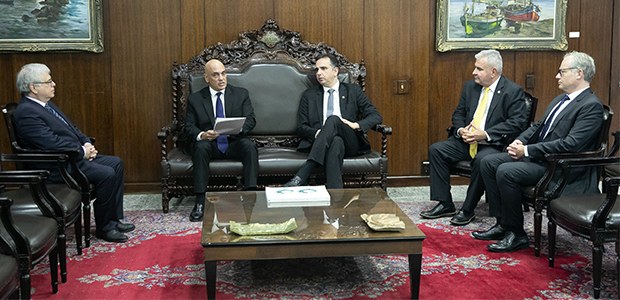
column 494, row 233
column 511, row 242
column 125, row 227
column 462, row 218
column 197, row 213
column 295, row 181
column 113, row 236
column 440, row 210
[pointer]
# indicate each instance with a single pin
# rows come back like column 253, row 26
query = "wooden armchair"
column 75, row 178
column 595, row 217
column 539, row 196
column 31, row 239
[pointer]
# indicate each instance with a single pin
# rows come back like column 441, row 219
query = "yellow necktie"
column 478, row 115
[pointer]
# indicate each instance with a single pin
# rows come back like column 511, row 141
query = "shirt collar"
column 335, row 86
column 37, row 101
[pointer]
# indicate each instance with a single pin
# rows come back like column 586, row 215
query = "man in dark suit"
column 333, row 119
column 572, row 123
column 40, row 124
column 491, row 108
column 219, row 99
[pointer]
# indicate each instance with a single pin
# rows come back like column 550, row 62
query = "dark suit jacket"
column 39, row 129
column 507, row 113
column 201, row 117
column 354, row 106
column 575, row 129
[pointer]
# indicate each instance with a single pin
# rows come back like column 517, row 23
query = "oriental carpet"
column 163, row 260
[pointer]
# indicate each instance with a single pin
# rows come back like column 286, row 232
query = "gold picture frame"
column 501, row 24
column 51, row 25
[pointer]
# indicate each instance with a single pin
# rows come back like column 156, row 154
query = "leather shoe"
column 295, row 181
column 125, row 227
column 511, row 242
column 440, row 210
column 197, row 213
column 113, row 236
column 462, row 218
column 494, row 233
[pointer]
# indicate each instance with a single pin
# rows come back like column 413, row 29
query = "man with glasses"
column 571, row 124
column 40, row 124
column 491, row 107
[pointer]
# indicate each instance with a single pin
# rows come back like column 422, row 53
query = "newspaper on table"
column 298, row 196
column 229, row 126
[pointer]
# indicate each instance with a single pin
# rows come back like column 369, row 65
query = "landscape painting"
column 43, row 25
column 501, row 24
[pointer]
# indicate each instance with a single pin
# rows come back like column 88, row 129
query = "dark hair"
column 332, row 59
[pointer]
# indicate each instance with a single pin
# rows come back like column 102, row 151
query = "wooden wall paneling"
column 193, row 30
column 141, row 56
column 596, row 40
column 8, row 93
column 614, row 86
column 224, row 20
column 390, row 34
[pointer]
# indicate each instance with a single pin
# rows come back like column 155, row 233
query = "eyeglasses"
column 44, row 82
column 561, row 72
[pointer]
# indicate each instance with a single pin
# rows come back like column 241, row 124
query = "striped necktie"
column 56, row 114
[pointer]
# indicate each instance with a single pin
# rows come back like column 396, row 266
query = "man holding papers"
column 217, row 101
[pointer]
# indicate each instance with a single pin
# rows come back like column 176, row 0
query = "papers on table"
column 298, row 196
column 230, row 126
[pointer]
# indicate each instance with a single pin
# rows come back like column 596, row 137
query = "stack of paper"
column 298, row 196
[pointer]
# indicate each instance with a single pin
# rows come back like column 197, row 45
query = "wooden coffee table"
column 330, row 231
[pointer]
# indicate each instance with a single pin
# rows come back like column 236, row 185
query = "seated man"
column 571, row 124
column 491, row 107
column 218, row 100
column 333, row 120
column 40, row 124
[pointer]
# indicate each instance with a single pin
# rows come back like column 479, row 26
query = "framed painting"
column 51, row 25
column 501, row 24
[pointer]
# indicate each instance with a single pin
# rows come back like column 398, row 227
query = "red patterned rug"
column 163, row 260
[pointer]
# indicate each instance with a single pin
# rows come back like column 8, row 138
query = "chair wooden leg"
column 24, row 277
column 597, row 268
column 551, row 230
column 86, row 215
column 62, row 250
column 537, row 231
column 618, row 262
column 78, row 233
column 53, row 256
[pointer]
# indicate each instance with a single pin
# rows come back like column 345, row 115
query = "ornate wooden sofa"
column 276, row 66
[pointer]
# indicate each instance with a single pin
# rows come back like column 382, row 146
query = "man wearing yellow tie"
column 491, row 107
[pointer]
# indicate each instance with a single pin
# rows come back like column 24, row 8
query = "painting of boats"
column 521, row 11
column 482, row 17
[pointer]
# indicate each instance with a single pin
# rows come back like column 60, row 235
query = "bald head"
column 215, row 74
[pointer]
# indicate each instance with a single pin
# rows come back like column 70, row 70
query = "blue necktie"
column 222, row 140
column 55, row 113
column 549, row 119
column 330, row 103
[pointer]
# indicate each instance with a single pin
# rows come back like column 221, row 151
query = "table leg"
column 415, row 269
column 210, row 269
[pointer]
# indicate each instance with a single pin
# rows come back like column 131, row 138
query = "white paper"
column 230, row 126
column 299, row 196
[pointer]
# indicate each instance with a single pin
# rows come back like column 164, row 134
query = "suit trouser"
column 106, row 173
column 334, row 142
column 504, row 178
column 446, row 153
column 242, row 149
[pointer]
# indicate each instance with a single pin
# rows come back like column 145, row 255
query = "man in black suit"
column 572, row 123
column 40, row 124
column 491, row 108
column 219, row 99
column 333, row 119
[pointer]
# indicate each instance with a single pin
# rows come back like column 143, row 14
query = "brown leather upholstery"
column 595, row 217
column 276, row 66
column 31, row 238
